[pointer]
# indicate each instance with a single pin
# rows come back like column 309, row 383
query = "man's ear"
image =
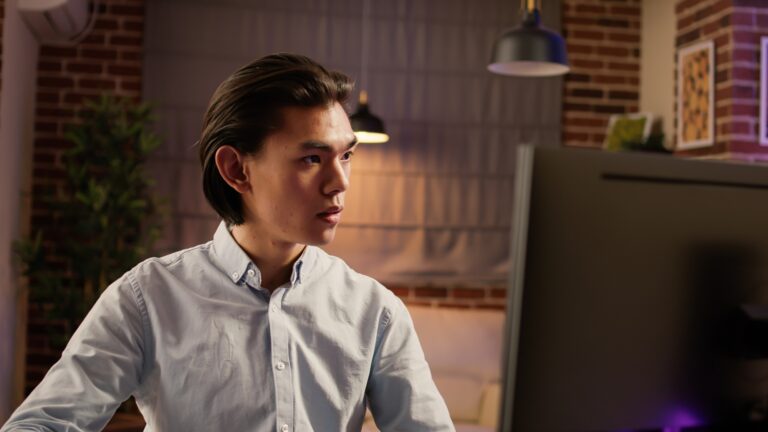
column 229, row 162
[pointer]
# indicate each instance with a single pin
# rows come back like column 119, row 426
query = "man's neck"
column 274, row 260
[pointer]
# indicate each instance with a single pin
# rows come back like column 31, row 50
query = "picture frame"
column 763, row 120
column 696, row 96
column 628, row 131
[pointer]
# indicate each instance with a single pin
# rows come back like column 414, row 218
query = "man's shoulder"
column 177, row 262
column 334, row 268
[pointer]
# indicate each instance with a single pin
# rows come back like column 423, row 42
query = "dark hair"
column 246, row 108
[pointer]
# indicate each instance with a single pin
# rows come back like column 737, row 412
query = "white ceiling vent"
column 55, row 21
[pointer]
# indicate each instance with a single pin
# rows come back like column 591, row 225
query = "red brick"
column 742, row 73
column 624, row 37
column 625, row 10
column 491, row 306
column 124, row 70
column 575, row 136
column 134, row 26
column 465, row 293
column 743, row 18
column 130, row 85
column 578, row 49
column 400, row 291
column 585, row 34
column 587, row 64
column 105, row 24
column 613, row 51
column 94, row 39
column 609, row 79
column 55, row 82
column 94, row 68
column 130, row 55
column 54, row 112
column 132, row 41
column 50, row 97
column 499, row 293
column 589, row 9
column 570, row 21
column 744, row 110
column 431, row 292
column 123, row 10
column 100, row 84
column 633, row 67
column 52, row 144
column 585, row 122
column 56, row 51
column 49, row 66
column 99, row 53
column 720, row 6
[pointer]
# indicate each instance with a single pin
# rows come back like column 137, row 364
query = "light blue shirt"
column 202, row 347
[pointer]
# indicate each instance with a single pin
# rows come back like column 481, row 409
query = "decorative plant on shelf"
column 104, row 218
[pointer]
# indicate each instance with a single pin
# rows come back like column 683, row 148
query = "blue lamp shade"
column 368, row 128
column 529, row 50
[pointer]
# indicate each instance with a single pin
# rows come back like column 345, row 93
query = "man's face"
column 299, row 178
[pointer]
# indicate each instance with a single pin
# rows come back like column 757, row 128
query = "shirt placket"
column 282, row 374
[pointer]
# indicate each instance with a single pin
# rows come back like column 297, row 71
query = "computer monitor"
column 638, row 293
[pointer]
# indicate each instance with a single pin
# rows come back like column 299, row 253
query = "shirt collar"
column 234, row 262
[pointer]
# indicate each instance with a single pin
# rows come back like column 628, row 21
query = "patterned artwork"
column 695, row 96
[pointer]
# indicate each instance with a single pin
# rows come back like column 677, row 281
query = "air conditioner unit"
column 55, row 20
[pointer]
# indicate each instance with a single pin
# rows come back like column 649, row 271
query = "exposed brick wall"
column 474, row 297
column 702, row 20
column 109, row 59
column 735, row 26
column 749, row 21
column 603, row 41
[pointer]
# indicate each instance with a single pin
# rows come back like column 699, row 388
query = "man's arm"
column 100, row 367
column 401, row 393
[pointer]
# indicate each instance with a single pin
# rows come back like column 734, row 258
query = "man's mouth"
column 331, row 215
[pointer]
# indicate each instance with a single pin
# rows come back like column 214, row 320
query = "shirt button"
column 274, row 308
column 251, row 273
column 235, row 275
column 280, row 366
column 284, row 428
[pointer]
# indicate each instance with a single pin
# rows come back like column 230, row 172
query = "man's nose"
column 338, row 180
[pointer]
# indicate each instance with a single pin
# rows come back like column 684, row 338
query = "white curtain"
column 431, row 206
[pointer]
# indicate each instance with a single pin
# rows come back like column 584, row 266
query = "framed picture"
column 628, row 131
column 763, row 90
column 696, row 96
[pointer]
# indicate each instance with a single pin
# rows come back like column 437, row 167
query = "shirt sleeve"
column 401, row 393
column 100, row 367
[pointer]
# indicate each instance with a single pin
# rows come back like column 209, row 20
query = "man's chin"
column 323, row 239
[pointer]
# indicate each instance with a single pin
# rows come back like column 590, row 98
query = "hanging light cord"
column 364, row 53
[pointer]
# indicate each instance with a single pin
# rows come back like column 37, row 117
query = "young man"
column 258, row 329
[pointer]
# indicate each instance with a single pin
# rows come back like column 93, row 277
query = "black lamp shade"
column 368, row 128
column 529, row 50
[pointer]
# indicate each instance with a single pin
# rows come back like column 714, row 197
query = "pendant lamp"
column 368, row 128
column 529, row 50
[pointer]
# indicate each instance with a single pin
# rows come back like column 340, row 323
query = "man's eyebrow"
column 319, row 145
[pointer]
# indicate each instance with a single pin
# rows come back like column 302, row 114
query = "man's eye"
column 347, row 155
column 313, row 159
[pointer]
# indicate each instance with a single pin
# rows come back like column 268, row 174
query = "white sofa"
column 463, row 348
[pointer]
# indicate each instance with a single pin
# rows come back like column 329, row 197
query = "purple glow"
column 681, row 418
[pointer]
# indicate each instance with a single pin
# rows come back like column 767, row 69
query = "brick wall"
column 467, row 297
column 603, row 41
column 749, row 22
column 109, row 59
column 701, row 20
column 735, row 26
